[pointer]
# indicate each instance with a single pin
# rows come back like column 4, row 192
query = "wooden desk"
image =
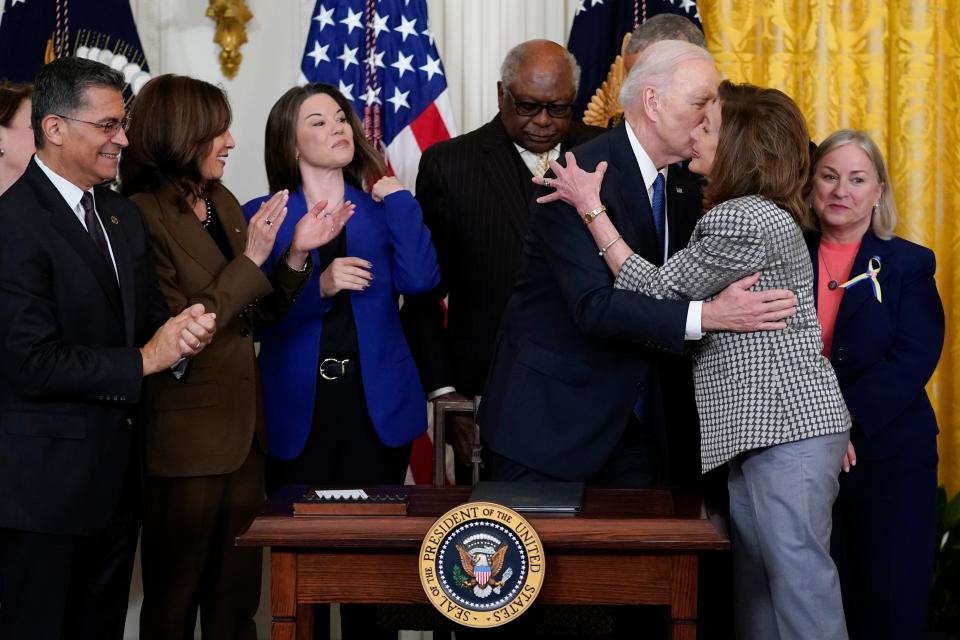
column 625, row 547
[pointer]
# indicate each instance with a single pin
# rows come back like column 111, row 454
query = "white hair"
column 655, row 68
column 511, row 63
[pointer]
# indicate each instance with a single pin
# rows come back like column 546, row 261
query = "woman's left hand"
column 263, row 226
column 849, row 458
column 384, row 187
column 578, row 188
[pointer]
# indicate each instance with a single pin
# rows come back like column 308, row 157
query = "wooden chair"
column 442, row 409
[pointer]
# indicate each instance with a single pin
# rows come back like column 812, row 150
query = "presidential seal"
column 481, row 564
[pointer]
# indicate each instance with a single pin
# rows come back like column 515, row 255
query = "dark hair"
column 173, row 122
column 280, row 141
column 763, row 148
column 665, row 26
column 60, row 88
column 11, row 97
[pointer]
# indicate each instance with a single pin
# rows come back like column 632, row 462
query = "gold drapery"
column 892, row 68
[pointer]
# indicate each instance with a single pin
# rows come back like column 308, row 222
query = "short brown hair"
column 280, row 141
column 173, row 122
column 763, row 148
column 11, row 97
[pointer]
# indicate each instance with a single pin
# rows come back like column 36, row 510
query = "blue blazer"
column 390, row 235
column 884, row 353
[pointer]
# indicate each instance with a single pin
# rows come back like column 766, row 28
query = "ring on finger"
column 546, row 182
column 327, row 214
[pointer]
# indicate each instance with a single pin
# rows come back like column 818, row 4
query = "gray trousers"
column 785, row 582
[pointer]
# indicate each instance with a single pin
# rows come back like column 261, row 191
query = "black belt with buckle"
column 336, row 368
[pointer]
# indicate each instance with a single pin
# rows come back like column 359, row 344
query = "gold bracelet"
column 589, row 216
column 604, row 248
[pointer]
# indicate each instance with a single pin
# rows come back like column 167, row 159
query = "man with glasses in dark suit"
column 79, row 296
column 475, row 192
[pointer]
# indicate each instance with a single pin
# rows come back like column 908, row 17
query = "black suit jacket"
column 573, row 354
column 70, row 370
column 885, row 352
column 475, row 193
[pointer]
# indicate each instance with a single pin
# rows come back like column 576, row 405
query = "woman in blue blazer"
column 342, row 396
column 883, row 330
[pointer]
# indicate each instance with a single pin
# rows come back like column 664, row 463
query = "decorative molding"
column 231, row 17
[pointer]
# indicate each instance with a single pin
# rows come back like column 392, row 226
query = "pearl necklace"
column 209, row 219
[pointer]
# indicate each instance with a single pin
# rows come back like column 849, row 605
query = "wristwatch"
column 589, row 216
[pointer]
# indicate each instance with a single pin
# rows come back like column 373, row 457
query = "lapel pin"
column 113, row 219
column 679, row 189
column 873, row 269
column 237, row 230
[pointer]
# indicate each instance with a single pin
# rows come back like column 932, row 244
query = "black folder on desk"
column 531, row 497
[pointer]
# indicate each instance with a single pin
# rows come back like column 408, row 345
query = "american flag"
column 382, row 56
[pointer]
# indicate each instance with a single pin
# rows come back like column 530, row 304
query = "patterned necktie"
column 659, row 207
column 543, row 164
column 94, row 229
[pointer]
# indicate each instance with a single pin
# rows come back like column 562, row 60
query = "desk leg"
column 283, row 595
column 683, row 600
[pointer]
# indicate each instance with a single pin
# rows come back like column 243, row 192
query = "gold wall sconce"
column 231, row 17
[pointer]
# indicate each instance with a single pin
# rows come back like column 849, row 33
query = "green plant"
column 945, row 601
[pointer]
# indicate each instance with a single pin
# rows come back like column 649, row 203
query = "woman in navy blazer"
column 883, row 332
column 342, row 395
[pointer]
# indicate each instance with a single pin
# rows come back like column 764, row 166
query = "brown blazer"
column 205, row 424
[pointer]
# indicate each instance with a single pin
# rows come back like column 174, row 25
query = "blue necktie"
column 658, row 207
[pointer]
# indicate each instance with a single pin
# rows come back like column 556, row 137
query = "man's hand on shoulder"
column 182, row 336
column 737, row 308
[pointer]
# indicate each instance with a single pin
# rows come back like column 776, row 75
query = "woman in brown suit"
column 204, row 436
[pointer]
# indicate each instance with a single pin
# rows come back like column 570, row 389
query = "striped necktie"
column 543, row 164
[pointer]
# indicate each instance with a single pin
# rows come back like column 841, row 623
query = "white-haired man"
column 573, row 392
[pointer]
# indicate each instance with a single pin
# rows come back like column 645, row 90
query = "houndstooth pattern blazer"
column 756, row 389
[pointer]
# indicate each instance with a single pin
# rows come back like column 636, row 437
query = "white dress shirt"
column 532, row 159
column 72, row 194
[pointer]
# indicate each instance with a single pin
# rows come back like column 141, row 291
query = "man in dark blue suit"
column 79, row 295
column 572, row 393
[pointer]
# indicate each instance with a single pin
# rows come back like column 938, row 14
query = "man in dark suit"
column 78, row 294
column 475, row 191
column 573, row 392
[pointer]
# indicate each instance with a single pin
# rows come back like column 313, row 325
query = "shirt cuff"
column 179, row 368
column 442, row 391
column 694, row 330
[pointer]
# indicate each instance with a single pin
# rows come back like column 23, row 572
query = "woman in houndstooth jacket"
column 769, row 402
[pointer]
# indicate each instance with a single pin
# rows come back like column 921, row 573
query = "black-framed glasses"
column 533, row 109
column 110, row 128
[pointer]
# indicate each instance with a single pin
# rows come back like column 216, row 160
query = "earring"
column 2, row 152
column 298, row 157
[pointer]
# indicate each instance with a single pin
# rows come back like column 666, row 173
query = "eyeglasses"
column 533, row 109
column 110, row 128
